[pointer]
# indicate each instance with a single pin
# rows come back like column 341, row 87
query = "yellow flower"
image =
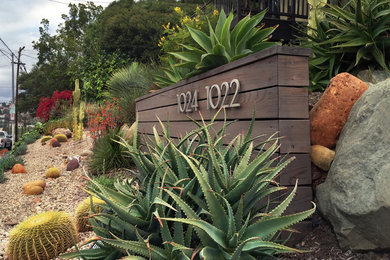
column 162, row 38
column 177, row 9
column 215, row 12
column 197, row 8
column 196, row 20
column 186, row 19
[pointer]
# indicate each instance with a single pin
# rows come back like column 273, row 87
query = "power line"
column 4, row 54
column 7, row 47
column 29, row 56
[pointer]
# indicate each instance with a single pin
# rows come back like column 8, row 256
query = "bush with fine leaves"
column 128, row 84
column 108, row 154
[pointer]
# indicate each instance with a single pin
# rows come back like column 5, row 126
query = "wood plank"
column 283, row 50
column 300, row 169
column 293, row 131
column 265, row 102
column 302, row 200
column 257, row 75
column 178, row 129
column 293, row 103
column 293, row 71
column 297, row 133
column 303, row 228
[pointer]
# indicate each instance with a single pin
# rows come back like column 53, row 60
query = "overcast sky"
column 19, row 26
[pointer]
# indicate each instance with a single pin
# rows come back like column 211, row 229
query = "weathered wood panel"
column 289, row 101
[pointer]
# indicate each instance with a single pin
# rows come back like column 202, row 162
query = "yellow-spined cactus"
column 53, row 173
column 46, row 138
column 84, row 210
column 43, row 236
column 61, row 138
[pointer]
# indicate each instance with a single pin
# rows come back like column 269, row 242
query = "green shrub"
column 349, row 39
column 108, row 154
column 2, row 176
column 20, row 150
column 190, row 197
column 102, row 180
column 8, row 161
column 128, row 84
column 31, row 138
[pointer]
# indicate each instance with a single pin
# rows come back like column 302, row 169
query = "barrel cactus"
column 43, row 236
column 46, row 138
column 34, row 187
column 53, row 173
column 83, row 211
column 61, row 138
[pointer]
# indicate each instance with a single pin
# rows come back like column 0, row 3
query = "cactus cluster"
column 53, row 173
column 78, row 113
column 43, row 236
column 83, row 211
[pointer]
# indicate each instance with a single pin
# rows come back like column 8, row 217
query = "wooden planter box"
column 271, row 82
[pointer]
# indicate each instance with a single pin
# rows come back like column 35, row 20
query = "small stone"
column 56, row 144
column 322, row 156
column 37, row 200
column 86, row 153
column 72, row 164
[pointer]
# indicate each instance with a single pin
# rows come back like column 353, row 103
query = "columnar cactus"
column 43, row 236
column 78, row 113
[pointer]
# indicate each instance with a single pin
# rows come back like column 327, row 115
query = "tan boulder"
column 328, row 116
column 322, row 157
column 63, row 131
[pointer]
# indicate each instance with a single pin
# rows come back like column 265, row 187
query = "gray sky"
column 19, row 26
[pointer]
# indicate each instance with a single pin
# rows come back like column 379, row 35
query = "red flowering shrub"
column 104, row 119
column 49, row 105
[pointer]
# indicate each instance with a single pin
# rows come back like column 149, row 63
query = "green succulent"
column 221, row 46
column 194, row 198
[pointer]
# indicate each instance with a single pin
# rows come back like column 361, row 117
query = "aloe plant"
column 195, row 198
column 222, row 45
column 349, row 39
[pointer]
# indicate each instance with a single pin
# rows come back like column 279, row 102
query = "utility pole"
column 16, row 93
column 13, row 98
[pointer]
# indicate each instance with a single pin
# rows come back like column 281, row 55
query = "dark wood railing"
column 284, row 13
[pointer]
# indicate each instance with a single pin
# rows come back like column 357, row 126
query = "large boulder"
column 356, row 194
column 328, row 116
column 63, row 131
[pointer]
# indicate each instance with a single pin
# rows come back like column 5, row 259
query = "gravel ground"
column 63, row 193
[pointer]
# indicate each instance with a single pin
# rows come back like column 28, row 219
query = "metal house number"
column 188, row 101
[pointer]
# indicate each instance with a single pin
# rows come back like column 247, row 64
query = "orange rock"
column 37, row 200
column 328, row 116
column 52, row 141
column 18, row 168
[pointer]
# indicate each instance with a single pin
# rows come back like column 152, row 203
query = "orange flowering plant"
column 101, row 120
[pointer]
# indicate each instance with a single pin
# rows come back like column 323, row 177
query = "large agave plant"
column 195, row 198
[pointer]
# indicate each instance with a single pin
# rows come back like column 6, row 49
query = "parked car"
column 5, row 141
